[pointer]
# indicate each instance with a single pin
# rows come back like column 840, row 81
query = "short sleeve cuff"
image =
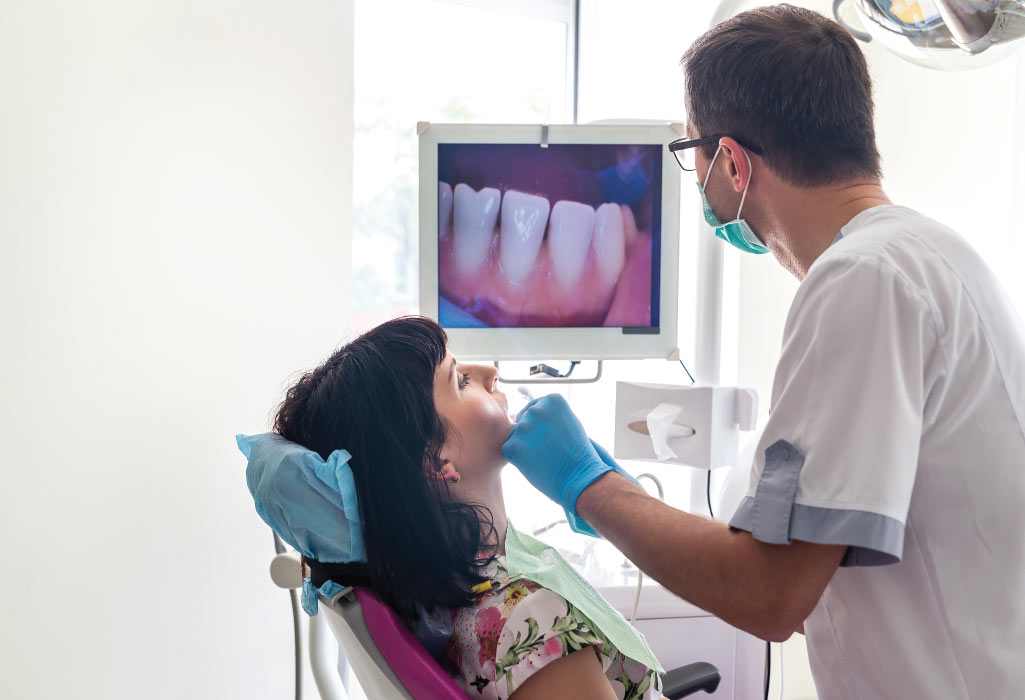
column 872, row 539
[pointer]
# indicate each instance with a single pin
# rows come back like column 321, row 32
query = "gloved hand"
column 549, row 446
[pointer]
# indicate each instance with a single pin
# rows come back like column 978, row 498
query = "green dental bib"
column 535, row 561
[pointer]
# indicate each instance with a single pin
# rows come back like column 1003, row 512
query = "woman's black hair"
column 375, row 398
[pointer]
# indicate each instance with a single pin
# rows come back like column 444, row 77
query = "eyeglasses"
column 684, row 149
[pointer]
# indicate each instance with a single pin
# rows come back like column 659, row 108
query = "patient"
column 425, row 434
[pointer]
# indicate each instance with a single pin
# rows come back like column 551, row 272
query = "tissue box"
column 697, row 426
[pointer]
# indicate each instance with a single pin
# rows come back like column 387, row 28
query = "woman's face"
column 476, row 413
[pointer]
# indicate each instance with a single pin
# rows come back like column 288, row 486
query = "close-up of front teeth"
column 473, row 225
column 609, row 242
column 569, row 237
column 444, row 207
column 523, row 231
column 629, row 224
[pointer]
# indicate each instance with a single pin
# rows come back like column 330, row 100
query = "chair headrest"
column 420, row 673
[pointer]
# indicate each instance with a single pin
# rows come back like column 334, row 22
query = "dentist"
column 886, row 511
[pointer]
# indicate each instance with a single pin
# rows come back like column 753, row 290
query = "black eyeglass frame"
column 684, row 143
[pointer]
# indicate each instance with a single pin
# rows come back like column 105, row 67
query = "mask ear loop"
column 746, row 187
column 704, row 185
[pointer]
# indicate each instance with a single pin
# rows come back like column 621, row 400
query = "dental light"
column 942, row 34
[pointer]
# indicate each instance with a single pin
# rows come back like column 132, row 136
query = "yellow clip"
column 481, row 587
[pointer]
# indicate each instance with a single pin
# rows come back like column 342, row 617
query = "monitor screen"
column 566, row 236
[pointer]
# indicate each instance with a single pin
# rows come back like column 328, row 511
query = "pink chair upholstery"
column 421, row 674
column 391, row 655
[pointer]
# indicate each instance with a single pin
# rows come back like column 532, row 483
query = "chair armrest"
column 689, row 679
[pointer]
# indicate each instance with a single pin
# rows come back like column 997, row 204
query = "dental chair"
column 390, row 663
column 388, row 660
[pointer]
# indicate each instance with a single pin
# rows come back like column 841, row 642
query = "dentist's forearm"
column 767, row 590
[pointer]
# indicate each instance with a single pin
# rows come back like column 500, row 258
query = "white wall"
column 175, row 204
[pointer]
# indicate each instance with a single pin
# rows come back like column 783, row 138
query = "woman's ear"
column 447, row 471
column 446, row 455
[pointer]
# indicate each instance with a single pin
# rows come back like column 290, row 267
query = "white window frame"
column 565, row 11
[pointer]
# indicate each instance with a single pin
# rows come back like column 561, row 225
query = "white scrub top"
column 898, row 428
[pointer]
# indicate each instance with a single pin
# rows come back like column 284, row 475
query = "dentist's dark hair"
column 792, row 82
column 375, row 398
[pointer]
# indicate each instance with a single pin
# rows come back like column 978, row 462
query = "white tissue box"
column 697, row 426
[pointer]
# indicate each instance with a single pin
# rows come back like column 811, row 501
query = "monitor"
column 555, row 242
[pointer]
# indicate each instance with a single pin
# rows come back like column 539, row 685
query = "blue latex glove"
column 549, row 446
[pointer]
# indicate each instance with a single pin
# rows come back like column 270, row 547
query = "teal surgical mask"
column 737, row 232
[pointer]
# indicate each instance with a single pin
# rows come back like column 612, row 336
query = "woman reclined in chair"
column 424, row 432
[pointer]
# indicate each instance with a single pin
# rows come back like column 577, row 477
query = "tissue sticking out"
column 661, row 425
column 677, row 430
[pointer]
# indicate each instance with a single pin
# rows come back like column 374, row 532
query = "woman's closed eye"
column 464, row 379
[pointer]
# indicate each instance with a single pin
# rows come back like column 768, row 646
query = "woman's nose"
column 490, row 375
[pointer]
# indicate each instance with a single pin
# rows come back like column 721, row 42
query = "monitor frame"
column 494, row 344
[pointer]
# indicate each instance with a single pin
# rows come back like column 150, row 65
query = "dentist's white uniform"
column 898, row 428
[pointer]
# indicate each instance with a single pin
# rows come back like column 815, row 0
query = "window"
column 440, row 61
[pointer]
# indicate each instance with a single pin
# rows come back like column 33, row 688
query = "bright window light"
column 429, row 60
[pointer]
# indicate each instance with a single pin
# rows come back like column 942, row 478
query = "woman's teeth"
column 609, row 241
column 523, row 231
column 574, row 230
column 475, row 217
column 569, row 237
column 444, row 207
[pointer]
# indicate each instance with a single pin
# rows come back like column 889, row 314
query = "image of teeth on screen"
column 564, row 236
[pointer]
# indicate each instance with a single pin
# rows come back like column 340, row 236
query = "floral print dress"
column 517, row 629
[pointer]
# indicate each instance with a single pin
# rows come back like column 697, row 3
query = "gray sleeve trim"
column 774, row 497
column 872, row 539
